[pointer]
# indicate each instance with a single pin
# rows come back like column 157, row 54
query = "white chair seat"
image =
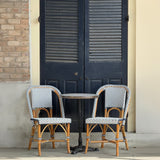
column 52, row 120
column 103, row 120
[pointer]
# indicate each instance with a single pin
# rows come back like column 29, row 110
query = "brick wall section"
column 14, row 40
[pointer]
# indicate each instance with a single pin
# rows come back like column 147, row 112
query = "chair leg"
column 68, row 138
column 52, row 136
column 103, row 135
column 39, row 140
column 124, row 137
column 117, row 140
column 87, row 139
column 31, row 138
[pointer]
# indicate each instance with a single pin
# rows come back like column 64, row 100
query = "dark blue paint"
column 90, row 75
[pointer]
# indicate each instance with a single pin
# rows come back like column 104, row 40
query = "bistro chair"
column 117, row 97
column 40, row 98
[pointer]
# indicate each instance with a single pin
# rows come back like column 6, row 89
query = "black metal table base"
column 80, row 96
column 77, row 149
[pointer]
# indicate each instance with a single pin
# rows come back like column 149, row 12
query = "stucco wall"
column 14, row 118
column 147, row 66
column 14, row 72
column 131, row 62
column 35, row 42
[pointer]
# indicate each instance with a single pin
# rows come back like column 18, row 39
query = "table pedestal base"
column 77, row 149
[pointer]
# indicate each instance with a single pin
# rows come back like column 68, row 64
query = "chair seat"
column 52, row 120
column 103, row 120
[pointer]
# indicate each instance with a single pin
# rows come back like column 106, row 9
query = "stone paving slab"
column 107, row 153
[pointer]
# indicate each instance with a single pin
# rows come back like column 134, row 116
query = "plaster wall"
column 14, row 118
column 35, row 42
column 131, row 62
column 147, row 66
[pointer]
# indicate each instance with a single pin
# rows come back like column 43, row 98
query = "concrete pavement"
column 141, row 147
column 60, row 153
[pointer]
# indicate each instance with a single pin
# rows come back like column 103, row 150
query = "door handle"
column 76, row 73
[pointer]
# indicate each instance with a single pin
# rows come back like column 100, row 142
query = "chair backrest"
column 117, row 96
column 41, row 97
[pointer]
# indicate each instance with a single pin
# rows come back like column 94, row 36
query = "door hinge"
column 127, row 18
column 39, row 19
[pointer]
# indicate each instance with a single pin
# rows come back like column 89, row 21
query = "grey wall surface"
column 15, row 122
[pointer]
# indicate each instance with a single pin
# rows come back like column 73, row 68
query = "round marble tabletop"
column 79, row 96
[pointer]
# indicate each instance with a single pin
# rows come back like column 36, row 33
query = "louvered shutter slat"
column 61, row 31
column 105, row 37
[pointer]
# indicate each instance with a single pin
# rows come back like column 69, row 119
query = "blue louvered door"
column 62, row 52
column 83, row 46
column 105, row 46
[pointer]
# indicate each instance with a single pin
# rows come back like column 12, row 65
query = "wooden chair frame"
column 104, row 127
column 52, row 128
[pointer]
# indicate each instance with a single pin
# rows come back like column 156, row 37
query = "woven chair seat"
column 103, row 120
column 52, row 120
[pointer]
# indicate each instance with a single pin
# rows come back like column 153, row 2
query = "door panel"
column 105, row 56
column 62, row 50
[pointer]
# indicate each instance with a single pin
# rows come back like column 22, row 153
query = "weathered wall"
column 14, row 72
column 14, row 118
column 35, row 42
column 147, row 66
column 131, row 62
column 14, row 40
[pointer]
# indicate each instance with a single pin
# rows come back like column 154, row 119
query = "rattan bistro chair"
column 40, row 98
column 117, row 97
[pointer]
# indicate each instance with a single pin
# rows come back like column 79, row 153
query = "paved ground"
column 60, row 153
